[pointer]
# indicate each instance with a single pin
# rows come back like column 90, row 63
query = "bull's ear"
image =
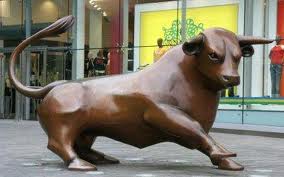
column 247, row 51
column 194, row 46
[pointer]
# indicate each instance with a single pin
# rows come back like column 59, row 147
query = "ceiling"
column 110, row 6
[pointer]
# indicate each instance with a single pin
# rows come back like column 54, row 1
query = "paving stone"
column 24, row 154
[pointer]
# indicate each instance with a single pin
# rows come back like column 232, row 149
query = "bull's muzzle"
column 230, row 81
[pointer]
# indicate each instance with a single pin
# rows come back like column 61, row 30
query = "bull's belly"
column 138, row 135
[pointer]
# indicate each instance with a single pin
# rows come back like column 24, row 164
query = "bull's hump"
column 67, row 98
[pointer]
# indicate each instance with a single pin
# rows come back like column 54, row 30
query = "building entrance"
column 46, row 66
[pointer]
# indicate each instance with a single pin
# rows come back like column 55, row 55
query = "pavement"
column 24, row 154
column 247, row 129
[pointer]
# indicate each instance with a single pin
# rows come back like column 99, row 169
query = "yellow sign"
column 153, row 25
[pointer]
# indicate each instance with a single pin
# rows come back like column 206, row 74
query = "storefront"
column 46, row 60
column 162, row 20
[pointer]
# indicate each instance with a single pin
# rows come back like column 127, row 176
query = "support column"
column 247, row 62
column 258, row 58
column 2, row 80
column 116, row 33
column 78, row 43
column 27, row 61
column 280, row 17
column 22, row 104
column 95, row 30
column 241, row 24
column 183, row 20
column 125, row 18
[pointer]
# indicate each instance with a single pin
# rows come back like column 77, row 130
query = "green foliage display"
column 172, row 35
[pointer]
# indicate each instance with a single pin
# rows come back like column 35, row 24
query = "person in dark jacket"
column 100, row 63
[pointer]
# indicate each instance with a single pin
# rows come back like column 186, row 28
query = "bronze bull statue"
column 174, row 100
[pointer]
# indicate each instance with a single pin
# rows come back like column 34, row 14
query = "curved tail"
column 58, row 27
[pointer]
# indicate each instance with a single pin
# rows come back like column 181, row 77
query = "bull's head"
column 218, row 53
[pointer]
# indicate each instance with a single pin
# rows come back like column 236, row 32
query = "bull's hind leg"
column 187, row 132
column 83, row 147
column 61, row 141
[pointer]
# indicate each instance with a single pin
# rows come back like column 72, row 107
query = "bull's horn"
column 250, row 40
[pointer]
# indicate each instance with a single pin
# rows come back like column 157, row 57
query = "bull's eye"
column 213, row 57
column 247, row 51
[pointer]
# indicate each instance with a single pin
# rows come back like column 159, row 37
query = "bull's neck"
column 181, row 69
column 189, row 68
column 177, row 76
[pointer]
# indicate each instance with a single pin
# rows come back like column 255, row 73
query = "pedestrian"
column 160, row 51
column 90, row 65
column 100, row 64
column 276, row 56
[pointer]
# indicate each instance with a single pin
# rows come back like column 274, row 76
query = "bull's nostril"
column 225, row 78
column 231, row 80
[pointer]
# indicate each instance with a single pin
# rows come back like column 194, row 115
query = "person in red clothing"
column 276, row 56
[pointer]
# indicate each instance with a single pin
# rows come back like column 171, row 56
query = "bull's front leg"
column 225, row 163
column 187, row 132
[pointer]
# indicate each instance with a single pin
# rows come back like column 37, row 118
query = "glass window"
column 46, row 12
column 103, row 24
column 11, row 32
column 155, row 27
column 11, row 22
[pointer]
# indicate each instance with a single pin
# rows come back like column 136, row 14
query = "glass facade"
column 115, row 37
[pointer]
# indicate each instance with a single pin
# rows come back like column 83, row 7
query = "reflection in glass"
column 9, row 93
column 97, row 63
column 46, row 12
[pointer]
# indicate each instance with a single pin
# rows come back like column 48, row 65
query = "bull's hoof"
column 107, row 160
column 220, row 155
column 217, row 157
column 96, row 157
column 81, row 165
column 229, row 164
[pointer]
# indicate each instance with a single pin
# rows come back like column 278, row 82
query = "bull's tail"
column 60, row 26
